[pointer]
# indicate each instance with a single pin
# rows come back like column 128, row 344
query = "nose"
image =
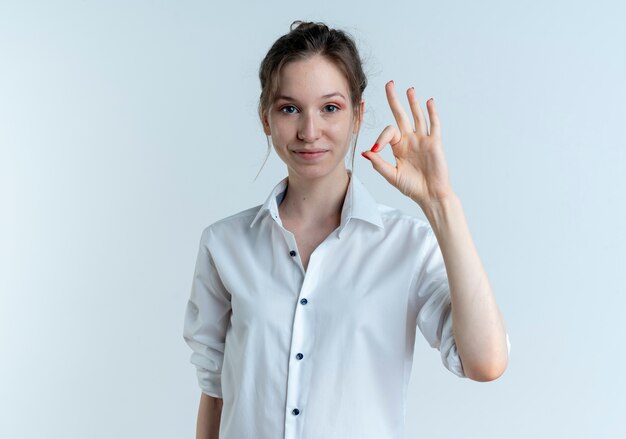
column 309, row 128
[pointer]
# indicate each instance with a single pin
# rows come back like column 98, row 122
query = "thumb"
column 382, row 167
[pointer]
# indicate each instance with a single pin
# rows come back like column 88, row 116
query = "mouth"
column 310, row 155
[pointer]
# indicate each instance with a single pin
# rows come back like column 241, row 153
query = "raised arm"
column 421, row 173
column 477, row 323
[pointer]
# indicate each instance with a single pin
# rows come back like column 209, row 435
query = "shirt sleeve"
column 434, row 317
column 206, row 320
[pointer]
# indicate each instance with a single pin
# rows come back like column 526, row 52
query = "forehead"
column 314, row 77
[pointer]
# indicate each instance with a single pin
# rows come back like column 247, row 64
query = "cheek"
column 338, row 127
column 342, row 131
column 284, row 130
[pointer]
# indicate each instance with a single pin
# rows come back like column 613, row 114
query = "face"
column 312, row 120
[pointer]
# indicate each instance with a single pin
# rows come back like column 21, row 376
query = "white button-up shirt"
column 322, row 353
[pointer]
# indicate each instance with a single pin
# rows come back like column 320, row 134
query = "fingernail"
column 375, row 147
column 431, row 99
column 392, row 82
column 363, row 154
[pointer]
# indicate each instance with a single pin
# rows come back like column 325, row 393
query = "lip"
column 310, row 154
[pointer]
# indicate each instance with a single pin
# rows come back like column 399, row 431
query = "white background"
column 127, row 127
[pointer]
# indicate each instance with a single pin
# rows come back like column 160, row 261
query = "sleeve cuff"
column 210, row 383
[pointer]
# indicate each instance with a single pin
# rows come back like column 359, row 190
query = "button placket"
column 293, row 246
column 302, row 340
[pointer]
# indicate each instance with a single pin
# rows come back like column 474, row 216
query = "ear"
column 357, row 125
column 266, row 124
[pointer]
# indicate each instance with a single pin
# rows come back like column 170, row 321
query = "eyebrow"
column 329, row 95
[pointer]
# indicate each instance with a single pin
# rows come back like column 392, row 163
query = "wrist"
column 438, row 211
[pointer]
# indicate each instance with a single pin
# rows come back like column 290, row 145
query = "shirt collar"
column 357, row 204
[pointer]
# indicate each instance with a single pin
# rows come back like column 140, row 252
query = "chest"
column 346, row 290
column 309, row 238
column 356, row 283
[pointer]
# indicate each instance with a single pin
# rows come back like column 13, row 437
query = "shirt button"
column 295, row 412
column 304, row 301
column 299, row 356
column 292, row 253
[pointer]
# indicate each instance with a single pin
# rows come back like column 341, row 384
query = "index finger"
column 404, row 123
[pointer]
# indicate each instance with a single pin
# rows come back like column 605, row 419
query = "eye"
column 333, row 108
column 287, row 109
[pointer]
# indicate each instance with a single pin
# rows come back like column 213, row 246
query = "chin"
column 313, row 171
column 308, row 172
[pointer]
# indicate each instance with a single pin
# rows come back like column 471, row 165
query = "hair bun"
column 306, row 25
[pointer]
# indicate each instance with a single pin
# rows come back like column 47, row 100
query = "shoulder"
column 403, row 230
column 396, row 218
column 407, row 231
column 237, row 224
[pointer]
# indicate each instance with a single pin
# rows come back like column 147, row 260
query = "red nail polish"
column 363, row 154
column 375, row 147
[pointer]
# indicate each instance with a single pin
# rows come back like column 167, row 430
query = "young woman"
column 303, row 310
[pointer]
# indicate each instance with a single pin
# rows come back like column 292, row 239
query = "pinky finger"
column 433, row 116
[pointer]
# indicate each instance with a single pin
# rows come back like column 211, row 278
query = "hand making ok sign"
column 421, row 172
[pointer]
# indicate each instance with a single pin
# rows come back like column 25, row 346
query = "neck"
column 315, row 201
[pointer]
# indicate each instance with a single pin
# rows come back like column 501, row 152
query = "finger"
column 390, row 135
column 418, row 115
column 387, row 170
column 435, row 126
column 404, row 123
